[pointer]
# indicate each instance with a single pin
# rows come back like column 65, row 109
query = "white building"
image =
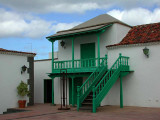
column 11, row 63
column 82, row 51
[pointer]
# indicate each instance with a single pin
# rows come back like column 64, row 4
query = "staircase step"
column 86, row 104
column 88, row 99
column 85, row 108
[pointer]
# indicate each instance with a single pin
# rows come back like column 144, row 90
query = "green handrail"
column 103, row 87
column 80, row 63
column 86, row 88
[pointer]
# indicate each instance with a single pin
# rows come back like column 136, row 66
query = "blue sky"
column 24, row 24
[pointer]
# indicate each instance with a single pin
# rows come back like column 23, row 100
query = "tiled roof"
column 141, row 34
column 13, row 51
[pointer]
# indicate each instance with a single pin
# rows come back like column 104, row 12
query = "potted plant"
column 22, row 90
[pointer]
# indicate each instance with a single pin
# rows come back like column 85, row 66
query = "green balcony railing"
column 81, row 63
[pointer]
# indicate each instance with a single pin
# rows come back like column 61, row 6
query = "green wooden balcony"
column 77, row 66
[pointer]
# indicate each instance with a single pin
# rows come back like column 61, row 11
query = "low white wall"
column 141, row 87
column 10, row 77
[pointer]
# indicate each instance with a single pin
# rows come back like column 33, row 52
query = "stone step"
column 14, row 110
column 86, row 104
column 85, row 108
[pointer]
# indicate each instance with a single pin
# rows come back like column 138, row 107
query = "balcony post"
column 98, row 46
column 121, row 92
column 73, row 52
column 52, row 56
column 73, row 100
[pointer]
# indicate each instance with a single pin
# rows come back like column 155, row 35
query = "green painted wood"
column 73, row 52
column 98, row 46
column 73, row 83
column 94, row 107
column 109, row 79
column 70, row 91
column 121, row 92
column 83, row 64
column 78, row 95
column 73, row 92
column 87, row 54
column 78, row 82
column 92, row 80
column 52, row 56
column 79, row 34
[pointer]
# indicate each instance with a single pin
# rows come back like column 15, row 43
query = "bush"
column 22, row 89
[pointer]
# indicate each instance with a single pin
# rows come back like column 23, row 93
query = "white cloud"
column 136, row 16
column 72, row 8
column 18, row 25
column 75, row 6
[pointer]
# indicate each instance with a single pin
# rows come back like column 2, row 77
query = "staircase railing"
column 86, row 88
column 103, row 87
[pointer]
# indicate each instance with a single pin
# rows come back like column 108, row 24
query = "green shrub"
column 22, row 89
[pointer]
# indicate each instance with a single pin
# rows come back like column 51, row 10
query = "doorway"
column 48, row 91
column 87, row 52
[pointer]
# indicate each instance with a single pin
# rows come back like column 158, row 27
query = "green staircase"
column 102, row 82
column 92, row 80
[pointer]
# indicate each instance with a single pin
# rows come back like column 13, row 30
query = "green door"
column 87, row 51
column 77, row 82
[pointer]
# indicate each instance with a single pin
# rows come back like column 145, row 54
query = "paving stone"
column 48, row 112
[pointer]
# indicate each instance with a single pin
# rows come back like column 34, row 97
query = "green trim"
column 94, row 96
column 78, row 95
column 73, row 52
column 121, row 92
column 52, row 57
column 73, row 91
column 98, row 47
column 87, row 55
column 109, row 79
column 78, row 33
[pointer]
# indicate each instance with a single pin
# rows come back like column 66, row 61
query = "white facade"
column 41, row 68
column 141, row 87
column 113, row 34
column 10, row 77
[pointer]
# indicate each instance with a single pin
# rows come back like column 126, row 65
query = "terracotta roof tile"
column 13, row 51
column 141, row 34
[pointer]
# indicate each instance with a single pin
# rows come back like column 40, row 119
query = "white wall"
column 41, row 68
column 113, row 34
column 55, row 55
column 141, row 87
column 10, row 77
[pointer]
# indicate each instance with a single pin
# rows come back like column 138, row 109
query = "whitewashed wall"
column 113, row 34
column 41, row 68
column 141, row 87
column 10, row 77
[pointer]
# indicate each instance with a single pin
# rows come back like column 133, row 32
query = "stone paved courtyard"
column 48, row 112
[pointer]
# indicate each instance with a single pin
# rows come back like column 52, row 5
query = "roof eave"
column 58, row 37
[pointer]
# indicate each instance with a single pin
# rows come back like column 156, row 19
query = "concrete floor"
column 48, row 112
